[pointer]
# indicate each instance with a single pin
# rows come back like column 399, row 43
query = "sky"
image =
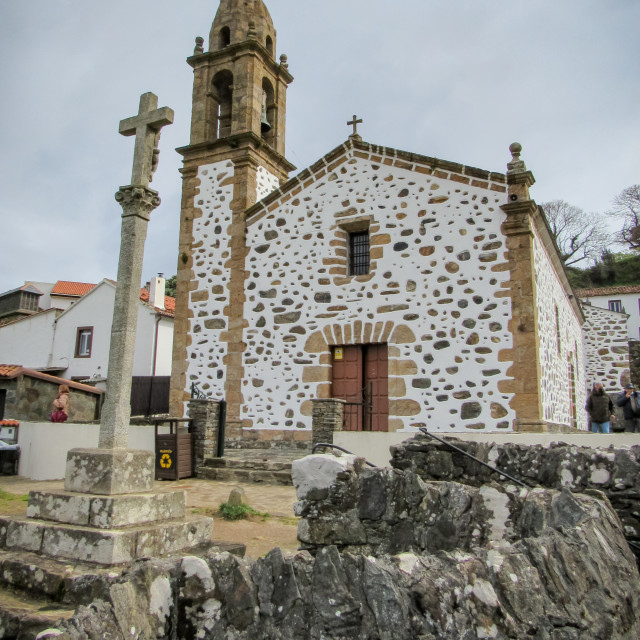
column 454, row 79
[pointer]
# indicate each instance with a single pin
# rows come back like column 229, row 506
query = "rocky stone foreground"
column 390, row 556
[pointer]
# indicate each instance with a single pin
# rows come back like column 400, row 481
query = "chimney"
column 156, row 291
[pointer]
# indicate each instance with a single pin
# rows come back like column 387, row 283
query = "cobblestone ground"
column 260, row 535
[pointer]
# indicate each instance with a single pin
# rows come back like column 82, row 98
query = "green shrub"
column 239, row 511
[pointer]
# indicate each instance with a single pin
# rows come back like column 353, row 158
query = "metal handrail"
column 484, row 464
column 335, row 446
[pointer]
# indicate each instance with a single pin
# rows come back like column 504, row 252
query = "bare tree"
column 579, row 235
column 626, row 206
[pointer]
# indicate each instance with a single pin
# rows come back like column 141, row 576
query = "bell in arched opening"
column 265, row 127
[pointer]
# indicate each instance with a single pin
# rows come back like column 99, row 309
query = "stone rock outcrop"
column 614, row 471
column 468, row 562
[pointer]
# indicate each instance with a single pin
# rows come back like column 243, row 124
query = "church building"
column 422, row 292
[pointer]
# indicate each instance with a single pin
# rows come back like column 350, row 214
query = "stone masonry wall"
column 210, row 295
column 31, row 399
column 435, row 293
column 616, row 472
column 634, row 356
column 560, row 347
column 606, row 348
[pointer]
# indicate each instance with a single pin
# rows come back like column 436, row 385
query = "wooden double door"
column 360, row 376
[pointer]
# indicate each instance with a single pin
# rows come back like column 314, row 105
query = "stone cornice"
column 234, row 51
column 233, row 142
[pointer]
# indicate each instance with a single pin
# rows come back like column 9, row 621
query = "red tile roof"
column 169, row 303
column 608, row 291
column 7, row 370
column 9, row 423
column 66, row 288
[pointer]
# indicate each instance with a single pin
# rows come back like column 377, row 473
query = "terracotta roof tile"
column 9, row 423
column 8, row 370
column 607, row 291
column 169, row 303
column 66, row 288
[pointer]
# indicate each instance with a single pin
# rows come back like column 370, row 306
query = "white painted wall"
column 27, row 342
column 375, row 446
column 44, row 445
column 630, row 304
column 164, row 353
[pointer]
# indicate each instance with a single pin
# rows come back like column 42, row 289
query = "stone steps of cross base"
column 104, row 546
column 243, row 474
column 62, row 582
column 23, row 617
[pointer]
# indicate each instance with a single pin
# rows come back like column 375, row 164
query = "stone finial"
column 519, row 179
column 252, row 34
column 283, row 61
column 199, row 46
column 516, row 165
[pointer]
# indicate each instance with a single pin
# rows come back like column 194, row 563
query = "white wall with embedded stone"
column 207, row 301
column 606, row 345
column 560, row 346
column 435, row 294
column 211, row 251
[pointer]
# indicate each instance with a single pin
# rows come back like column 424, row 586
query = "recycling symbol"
column 165, row 461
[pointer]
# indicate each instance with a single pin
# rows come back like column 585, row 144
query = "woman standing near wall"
column 60, row 411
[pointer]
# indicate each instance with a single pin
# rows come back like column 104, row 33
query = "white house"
column 74, row 342
column 620, row 299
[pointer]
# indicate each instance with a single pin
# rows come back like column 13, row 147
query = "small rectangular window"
column 615, row 305
column 358, row 253
column 84, row 341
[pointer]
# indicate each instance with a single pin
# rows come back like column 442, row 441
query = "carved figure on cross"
column 355, row 122
column 146, row 127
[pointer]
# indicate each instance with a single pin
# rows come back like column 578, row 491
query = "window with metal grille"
column 616, row 305
column 358, row 253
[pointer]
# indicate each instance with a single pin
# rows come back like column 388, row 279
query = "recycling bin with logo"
column 174, row 449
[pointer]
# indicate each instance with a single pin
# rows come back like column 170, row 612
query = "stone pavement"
column 275, row 500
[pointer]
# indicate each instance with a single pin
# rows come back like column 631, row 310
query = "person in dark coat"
column 600, row 409
column 629, row 400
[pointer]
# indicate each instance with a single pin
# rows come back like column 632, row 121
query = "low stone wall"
column 614, row 471
column 32, row 399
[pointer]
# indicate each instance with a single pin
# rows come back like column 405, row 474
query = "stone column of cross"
column 137, row 201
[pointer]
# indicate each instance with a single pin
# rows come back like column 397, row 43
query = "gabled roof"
column 14, row 371
column 67, row 288
column 607, row 291
column 29, row 288
column 444, row 169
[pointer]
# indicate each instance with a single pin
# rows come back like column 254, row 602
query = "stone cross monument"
column 108, row 513
column 118, row 470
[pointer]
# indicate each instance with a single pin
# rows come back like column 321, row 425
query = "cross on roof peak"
column 355, row 122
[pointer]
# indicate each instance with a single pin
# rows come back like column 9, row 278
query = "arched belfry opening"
column 224, row 39
column 269, row 112
column 222, row 97
column 269, row 45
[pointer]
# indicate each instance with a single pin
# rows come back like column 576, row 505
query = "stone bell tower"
column 234, row 158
